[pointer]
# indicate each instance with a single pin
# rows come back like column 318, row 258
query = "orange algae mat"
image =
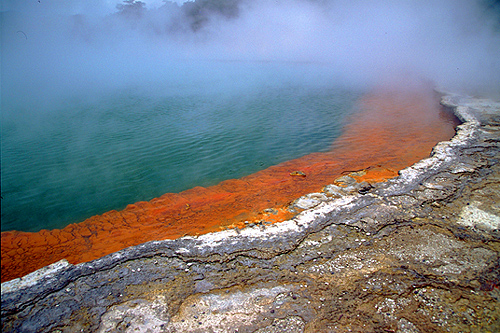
column 391, row 130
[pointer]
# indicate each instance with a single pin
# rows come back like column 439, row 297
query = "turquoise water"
column 63, row 164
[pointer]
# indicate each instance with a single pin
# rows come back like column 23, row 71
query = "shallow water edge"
column 411, row 118
column 418, row 252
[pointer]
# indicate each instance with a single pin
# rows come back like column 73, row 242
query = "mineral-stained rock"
column 298, row 174
column 308, row 201
column 474, row 217
column 345, row 181
column 365, row 151
column 418, row 253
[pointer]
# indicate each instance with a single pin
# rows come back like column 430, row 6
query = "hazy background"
column 54, row 48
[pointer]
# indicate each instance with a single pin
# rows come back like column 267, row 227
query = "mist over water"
column 100, row 103
column 85, row 159
column 54, row 48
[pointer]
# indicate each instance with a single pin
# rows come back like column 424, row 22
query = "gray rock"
column 308, row 201
column 418, row 253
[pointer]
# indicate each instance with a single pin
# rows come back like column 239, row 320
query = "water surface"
column 80, row 157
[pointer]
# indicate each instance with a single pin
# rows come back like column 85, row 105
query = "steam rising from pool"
column 84, row 159
column 105, row 105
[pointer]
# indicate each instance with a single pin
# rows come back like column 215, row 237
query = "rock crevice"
column 416, row 253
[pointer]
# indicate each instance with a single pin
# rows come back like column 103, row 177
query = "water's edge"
column 398, row 199
column 217, row 243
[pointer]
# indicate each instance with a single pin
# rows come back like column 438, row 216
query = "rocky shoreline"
column 417, row 253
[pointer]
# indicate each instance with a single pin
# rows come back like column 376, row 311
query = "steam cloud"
column 60, row 48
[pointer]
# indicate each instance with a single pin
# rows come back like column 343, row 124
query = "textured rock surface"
column 413, row 118
column 418, row 253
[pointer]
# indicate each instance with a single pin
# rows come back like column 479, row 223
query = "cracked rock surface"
column 418, row 253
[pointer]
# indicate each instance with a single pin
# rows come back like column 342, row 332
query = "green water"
column 63, row 164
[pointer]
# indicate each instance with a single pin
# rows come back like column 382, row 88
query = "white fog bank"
column 82, row 48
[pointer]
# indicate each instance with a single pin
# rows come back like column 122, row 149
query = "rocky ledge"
column 418, row 253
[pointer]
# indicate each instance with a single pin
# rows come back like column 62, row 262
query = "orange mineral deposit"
column 391, row 130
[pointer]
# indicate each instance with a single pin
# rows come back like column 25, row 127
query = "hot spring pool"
column 65, row 163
